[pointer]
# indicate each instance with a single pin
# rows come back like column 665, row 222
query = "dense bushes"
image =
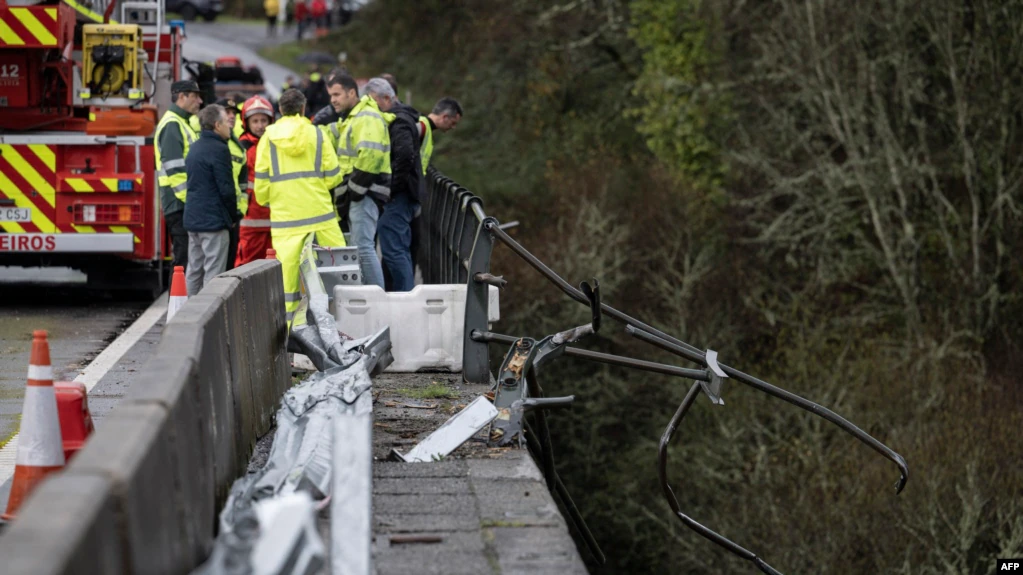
column 825, row 192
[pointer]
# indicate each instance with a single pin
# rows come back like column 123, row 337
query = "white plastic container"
column 426, row 323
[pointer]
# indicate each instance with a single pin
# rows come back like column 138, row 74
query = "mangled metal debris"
column 313, row 331
column 301, row 464
column 452, row 434
column 290, row 544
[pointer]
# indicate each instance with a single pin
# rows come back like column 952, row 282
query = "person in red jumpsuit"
column 254, row 229
column 318, row 9
column 301, row 17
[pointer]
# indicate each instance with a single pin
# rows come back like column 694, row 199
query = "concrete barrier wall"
column 143, row 494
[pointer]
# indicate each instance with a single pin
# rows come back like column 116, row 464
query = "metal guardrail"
column 457, row 244
column 459, row 240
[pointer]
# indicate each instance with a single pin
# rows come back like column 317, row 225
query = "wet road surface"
column 209, row 41
column 80, row 323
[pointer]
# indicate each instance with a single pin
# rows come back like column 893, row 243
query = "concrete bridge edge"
column 194, row 414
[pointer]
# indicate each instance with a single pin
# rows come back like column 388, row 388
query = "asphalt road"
column 80, row 323
column 207, row 41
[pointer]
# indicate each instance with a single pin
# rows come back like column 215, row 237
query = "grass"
column 433, row 391
column 284, row 54
column 287, row 54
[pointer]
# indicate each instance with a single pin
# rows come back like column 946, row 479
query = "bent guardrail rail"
column 459, row 242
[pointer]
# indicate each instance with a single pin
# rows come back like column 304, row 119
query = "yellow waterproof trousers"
column 289, row 250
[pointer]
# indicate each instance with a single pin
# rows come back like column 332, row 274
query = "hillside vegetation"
column 826, row 192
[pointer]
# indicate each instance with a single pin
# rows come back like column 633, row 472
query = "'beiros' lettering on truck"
column 34, row 243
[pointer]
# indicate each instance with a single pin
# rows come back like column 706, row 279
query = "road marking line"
column 96, row 369
column 99, row 367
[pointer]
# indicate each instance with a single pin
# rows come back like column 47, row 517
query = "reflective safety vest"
column 238, row 159
column 171, row 174
column 426, row 150
column 295, row 172
column 364, row 144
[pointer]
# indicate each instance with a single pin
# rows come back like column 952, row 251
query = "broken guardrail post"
column 452, row 235
column 466, row 231
column 455, row 431
column 475, row 354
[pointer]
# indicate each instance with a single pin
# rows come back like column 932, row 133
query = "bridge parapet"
column 142, row 495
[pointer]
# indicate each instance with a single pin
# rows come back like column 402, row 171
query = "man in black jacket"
column 316, row 93
column 211, row 209
column 394, row 229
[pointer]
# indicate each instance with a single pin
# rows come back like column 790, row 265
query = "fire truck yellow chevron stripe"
column 45, row 155
column 52, row 13
column 43, row 187
column 33, row 182
column 124, row 230
column 38, row 218
column 12, row 227
column 78, row 184
column 34, row 26
column 8, row 37
column 84, row 185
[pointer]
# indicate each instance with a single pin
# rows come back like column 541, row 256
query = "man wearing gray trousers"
column 211, row 208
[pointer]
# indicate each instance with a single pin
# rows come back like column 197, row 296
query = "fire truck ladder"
column 148, row 14
column 90, row 10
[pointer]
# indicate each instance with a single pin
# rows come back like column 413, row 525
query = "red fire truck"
column 81, row 91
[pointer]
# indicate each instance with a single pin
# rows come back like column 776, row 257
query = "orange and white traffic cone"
column 40, row 450
column 178, row 292
column 271, row 254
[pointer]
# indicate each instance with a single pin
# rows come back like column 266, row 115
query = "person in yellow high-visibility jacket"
column 271, row 7
column 174, row 136
column 445, row 116
column 363, row 147
column 296, row 169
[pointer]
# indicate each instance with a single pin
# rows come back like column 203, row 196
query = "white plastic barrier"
column 426, row 323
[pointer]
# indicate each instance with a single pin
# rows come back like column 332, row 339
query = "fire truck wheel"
column 188, row 13
column 209, row 16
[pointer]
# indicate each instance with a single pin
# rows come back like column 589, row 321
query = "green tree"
column 678, row 110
